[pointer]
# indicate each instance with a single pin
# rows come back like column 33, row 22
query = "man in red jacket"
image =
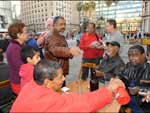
column 91, row 44
column 40, row 95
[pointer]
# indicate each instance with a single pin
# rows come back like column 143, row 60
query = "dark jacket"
column 111, row 66
column 5, row 92
column 136, row 73
column 57, row 49
column 4, row 44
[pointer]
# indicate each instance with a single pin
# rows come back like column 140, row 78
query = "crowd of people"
column 37, row 65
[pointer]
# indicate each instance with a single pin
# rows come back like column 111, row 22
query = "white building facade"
column 5, row 14
column 35, row 13
column 146, row 16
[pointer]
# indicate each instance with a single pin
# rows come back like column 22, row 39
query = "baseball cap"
column 113, row 43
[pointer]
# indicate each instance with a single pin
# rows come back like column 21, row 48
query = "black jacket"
column 136, row 73
column 111, row 67
column 5, row 92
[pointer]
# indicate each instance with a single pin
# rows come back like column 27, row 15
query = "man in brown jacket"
column 56, row 47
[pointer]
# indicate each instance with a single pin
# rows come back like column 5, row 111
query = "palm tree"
column 91, row 6
column 108, row 4
column 79, row 9
column 85, row 8
column 116, row 3
column 79, row 6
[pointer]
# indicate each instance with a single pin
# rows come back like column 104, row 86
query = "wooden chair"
column 88, row 65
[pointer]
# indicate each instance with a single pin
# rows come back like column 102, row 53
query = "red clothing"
column 26, row 73
column 15, row 88
column 36, row 98
column 86, row 40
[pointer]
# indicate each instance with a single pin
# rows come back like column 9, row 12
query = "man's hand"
column 75, row 51
column 146, row 98
column 114, row 84
column 94, row 44
column 99, row 47
column 145, row 81
column 99, row 73
column 91, row 46
column 40, row 40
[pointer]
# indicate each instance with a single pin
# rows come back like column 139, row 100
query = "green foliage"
column 85, row 7
column 115, row 1
column 79, row 6
column 108, row 3
column 91, row 5
column 88, row 6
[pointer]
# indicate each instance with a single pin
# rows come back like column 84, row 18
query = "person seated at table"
column 111, row 64
column 40, row 94
column 136, row 73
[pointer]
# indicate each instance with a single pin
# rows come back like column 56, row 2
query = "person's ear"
column 47, row 83
column 29, row 60
column 117, row 49
column 18, row 35
column 144, row 55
